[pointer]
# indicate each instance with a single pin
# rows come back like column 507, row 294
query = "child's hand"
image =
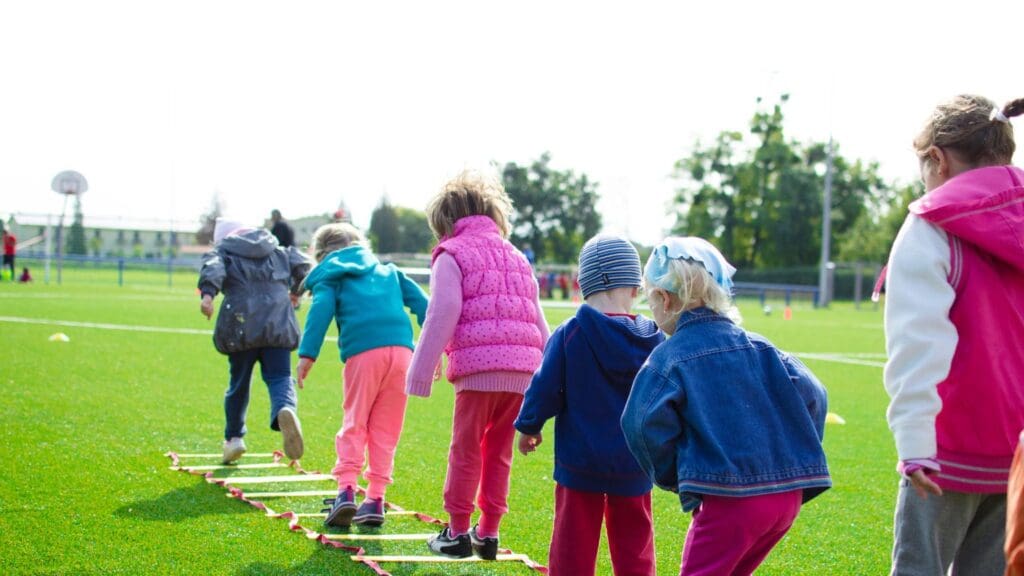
column 302, row 370
column 923, row 485
column 529, row 442
column 206, row 306
column 437, row 370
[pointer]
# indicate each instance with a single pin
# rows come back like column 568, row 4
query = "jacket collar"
column 698, row 315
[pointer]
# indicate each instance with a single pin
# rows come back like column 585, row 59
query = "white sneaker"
column 233, row 449
column 291, row 432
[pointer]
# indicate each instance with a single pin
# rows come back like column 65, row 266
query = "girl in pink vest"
column 954, row 326
column 485, row 314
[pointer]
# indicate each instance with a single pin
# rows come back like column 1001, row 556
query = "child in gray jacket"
column 256, row 323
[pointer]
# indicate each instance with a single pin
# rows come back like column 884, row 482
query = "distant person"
column 587, row 373
column 10, row 246
column 25, row 276
column 282, row 230
column 721, row 417
column 954, row 330
column 367, row 300
column 530, row 256
column 485, row 313
column 256, row 323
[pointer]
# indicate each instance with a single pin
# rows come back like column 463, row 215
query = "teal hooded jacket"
column 367, row 299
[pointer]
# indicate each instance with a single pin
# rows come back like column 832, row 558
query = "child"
column 485, row 314
column 256, row 323
column 954, row 326
column 366, row 299
column 721, row 417
column 25, row 276
column 588, row 370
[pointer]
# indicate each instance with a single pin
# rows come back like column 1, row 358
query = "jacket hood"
column 984, row 207
column 257, row 243
column 621, row 344
column 350, row 261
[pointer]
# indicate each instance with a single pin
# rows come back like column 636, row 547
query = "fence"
column 108, row 270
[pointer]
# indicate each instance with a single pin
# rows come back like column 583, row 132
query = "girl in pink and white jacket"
column 485, row 314
column 954, row 325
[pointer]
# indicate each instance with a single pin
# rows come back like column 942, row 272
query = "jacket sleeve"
column 811, row 390
column 653, row 425
column 413, row 297
column 321, row 313
column 300, row 264
column 546, row 395
column 439, row 325
column 212, row 274
column 920, row 339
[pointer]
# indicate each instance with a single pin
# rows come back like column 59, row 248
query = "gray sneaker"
column 233, row 449
column 370, row 512
column 291, row 433
column 485, row 548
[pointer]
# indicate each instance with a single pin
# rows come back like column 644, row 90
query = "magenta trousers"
column 480, row 459
column 374, row 384
column 577, row 533
column 732, row 536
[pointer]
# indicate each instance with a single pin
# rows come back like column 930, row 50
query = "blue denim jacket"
column 718, row 410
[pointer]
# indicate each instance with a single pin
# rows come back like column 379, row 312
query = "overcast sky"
column 297, row 105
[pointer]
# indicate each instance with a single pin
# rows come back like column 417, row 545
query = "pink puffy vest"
column 497, row 329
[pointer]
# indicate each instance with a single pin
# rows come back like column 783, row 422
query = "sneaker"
column 291, row 431
column 486, row 548
column 342, row 509
column 233, row 449
column 445, row 545
column 370, row 512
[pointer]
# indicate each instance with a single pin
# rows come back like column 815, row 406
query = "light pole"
column 826, row 231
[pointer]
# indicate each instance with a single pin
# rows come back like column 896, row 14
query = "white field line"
column 860, row 359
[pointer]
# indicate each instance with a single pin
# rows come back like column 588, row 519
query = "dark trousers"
column 9, row 261
column 276, row 370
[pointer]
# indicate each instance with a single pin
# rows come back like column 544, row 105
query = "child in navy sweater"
column 588, row 370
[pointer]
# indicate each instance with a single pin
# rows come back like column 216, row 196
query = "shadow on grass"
column 202, row 499
column 339, row 562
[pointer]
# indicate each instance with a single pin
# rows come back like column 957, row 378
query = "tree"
column 761, row 203
column 208, row 221
column 384, row 232
column 871, row 237
column 414, row 233
column 76, row 234
column 555, row 212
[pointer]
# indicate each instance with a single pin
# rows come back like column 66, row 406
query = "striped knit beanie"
column 608, row 262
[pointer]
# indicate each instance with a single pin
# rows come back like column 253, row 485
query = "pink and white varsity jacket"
column 954, row 324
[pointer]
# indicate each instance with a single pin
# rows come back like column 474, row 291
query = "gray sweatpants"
column 958, row 532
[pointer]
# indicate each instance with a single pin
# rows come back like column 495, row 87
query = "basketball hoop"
column 69, row 183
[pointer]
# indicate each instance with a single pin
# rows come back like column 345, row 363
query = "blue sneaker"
column 370, row 513
column 342, row 509
column 453, row 547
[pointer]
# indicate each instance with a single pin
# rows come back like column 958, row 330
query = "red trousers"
column 480, row 459
column 577, row 533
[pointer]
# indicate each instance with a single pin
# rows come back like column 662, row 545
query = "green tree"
column 555, row 212
column 414, row 233
column 208, row 221
column 872, row 235
column 384, row 231
column 76, row 234
column 760, row 203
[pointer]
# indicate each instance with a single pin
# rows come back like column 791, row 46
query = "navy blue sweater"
column 587, row 373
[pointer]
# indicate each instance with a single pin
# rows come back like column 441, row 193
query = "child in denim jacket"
column 721, row 417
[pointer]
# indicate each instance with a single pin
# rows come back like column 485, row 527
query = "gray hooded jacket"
column 255, row 275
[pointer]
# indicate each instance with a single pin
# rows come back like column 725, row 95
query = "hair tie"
column 997, row 115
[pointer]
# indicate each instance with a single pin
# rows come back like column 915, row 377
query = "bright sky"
column 296, row 105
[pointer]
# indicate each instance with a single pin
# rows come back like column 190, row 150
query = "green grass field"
column 86, row 488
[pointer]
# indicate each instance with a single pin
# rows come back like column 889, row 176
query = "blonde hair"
column 469, row 194
column 967, row 125
column 335, row 236
column 694, row 286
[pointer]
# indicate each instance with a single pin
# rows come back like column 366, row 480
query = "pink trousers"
column 577, row 533
column 480, row 459
column 374, row 384
column 732, row 536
